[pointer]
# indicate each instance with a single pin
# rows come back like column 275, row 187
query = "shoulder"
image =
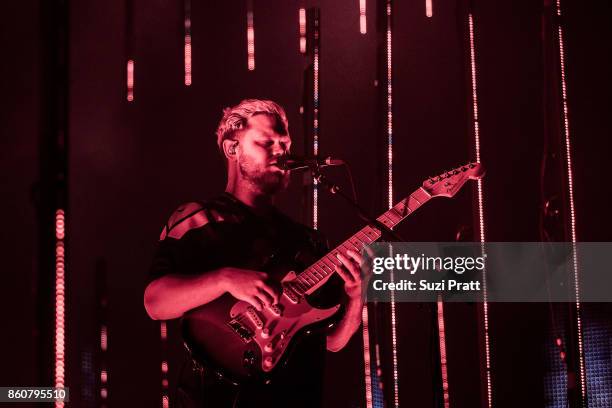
column 193, row 215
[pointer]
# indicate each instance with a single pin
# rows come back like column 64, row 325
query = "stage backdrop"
column 132, row 163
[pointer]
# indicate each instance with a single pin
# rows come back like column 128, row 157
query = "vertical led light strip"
column 103, row 371
column 250, row 37
column 389, row 109
column 103, row 374
column 481, row 223
column 315, row 116
column 130, row 80
column 302, row 22
column 367, row 365
column 60, row 302
column 163, row 332
column 389, row 66
column 429, row 8
column 443, row 364
column 362, row 17
column 570, row 186
column 364, row 313
column 187, row 53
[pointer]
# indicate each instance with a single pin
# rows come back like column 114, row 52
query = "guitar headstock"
column 448, row 183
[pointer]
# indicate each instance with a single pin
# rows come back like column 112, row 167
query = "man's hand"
column 354, row 270
column 251, row 286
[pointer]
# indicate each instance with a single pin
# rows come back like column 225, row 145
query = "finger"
column 347, row 262
column 351, row 265
column 345, row 274
column 369, row 252
column 266, row 298
column 255, row 302
column 357, row 258
column 273, row 290
column 366, row 262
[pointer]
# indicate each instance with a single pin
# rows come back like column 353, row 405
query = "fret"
column 297, row 283
column 400, row 212
column 385, row 221
column 366, row 242
column 370, row 232
column 321, row 272
column 396, row 219
column 349, row 247
column 334, row 259
column 326, row 264
column 308, row 278
column 322, row 262
column 397, row 213
column 314, row 273
column 357, row 242
column 353, row 247
column 374, row 233
column 405, row 204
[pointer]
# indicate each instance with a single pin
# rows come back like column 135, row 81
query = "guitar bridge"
column 244, row 333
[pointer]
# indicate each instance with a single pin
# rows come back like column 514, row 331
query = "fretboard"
column 317, row 274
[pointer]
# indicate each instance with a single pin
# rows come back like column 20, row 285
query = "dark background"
column 131, row 164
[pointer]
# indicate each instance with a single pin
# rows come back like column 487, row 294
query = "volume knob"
column 268, row 362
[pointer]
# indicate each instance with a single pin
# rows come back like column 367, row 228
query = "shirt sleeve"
column 178, row 244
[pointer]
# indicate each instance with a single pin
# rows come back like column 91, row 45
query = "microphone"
column 293, row 162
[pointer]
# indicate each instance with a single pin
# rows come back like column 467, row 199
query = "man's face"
column 260, row 145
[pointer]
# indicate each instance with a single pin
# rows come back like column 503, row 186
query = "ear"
column 229, row 149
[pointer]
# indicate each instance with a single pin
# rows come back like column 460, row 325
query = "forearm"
column 170, row 296
column 348, row 325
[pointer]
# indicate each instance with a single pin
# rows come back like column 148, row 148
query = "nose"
column 279, row 149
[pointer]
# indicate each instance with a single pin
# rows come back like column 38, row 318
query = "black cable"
column 350, row 177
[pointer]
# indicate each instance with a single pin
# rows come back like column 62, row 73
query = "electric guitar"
column 239, row 342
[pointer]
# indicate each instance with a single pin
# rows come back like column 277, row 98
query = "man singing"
column 206, row 248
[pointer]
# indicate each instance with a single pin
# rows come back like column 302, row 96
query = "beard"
column 263, row 178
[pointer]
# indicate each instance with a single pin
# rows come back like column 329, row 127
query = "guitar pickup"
column 290, row 294
column 276, row 310
column 252, row 313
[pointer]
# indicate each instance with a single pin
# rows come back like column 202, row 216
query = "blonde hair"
column 236, row 117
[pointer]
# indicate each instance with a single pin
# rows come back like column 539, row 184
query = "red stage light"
column 103, row 338
column 366, row 356
column 362, row 17
column 60, row 300
column 443, row 361
column 302, row 19
column 130, row 80
column 570, row 185
column 481, row 222
column 187, row 48
column 250, row 37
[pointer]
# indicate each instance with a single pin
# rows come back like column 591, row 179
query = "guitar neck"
column 317, row 274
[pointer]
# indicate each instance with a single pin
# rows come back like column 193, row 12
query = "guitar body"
column 241, row 343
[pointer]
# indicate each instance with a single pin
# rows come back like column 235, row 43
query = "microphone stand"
column 387, row 233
